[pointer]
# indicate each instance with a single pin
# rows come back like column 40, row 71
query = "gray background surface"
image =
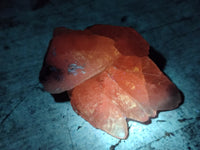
column 31, row 119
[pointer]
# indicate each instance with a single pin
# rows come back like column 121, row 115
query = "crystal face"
column 109, row 76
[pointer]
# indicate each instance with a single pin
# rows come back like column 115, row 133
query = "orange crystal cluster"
column 108, row 75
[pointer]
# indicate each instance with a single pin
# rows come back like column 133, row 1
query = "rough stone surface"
column 31, row 119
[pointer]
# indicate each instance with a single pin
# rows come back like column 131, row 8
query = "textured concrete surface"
column 30, row 118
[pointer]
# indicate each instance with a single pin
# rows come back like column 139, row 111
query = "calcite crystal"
column 108, row 75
